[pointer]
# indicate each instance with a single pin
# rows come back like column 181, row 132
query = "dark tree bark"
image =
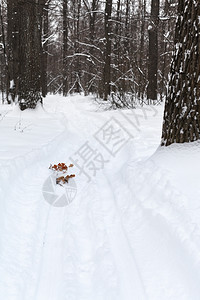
column 126, row 45
column 182, row 108
column 65, row 47
column 13, row 10
column 117, row 45
column 107, row 71
column 43, row 19
column 92, row 18
column 77, row 47
column 153, row 51
column 5, row 60
column 141, row 54
column 29, row 55
column 92, row 23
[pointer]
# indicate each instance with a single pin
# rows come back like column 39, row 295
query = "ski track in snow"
column 130, row 234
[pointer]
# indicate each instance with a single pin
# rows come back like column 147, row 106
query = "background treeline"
column 119, row 50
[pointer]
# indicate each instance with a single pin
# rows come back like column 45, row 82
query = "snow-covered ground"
column 132, row 228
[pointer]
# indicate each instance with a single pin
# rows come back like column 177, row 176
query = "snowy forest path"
column 120, row 230
column 43, row 233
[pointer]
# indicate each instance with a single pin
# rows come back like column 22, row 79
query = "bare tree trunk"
column 107, row 71
column 126, row 47
column 78, row 76
column 4, row 56
column 182, row 108
column 29, row 55
column 65, row 47
column 141, row 54
column 153, row 51
column 117, row 46
column 44, row 30
column 92, row 37
column 13, row 11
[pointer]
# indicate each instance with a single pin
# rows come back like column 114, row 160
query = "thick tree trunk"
column 182, row 108
column 29, row 55
column 153, row 51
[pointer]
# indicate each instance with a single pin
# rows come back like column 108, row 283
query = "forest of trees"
column 118, row 50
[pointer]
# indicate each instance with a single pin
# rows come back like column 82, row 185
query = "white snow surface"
column 131, row 233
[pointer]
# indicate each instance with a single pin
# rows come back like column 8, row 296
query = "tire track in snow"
column 130, row 275
column 24, row 221
column 167, row 217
